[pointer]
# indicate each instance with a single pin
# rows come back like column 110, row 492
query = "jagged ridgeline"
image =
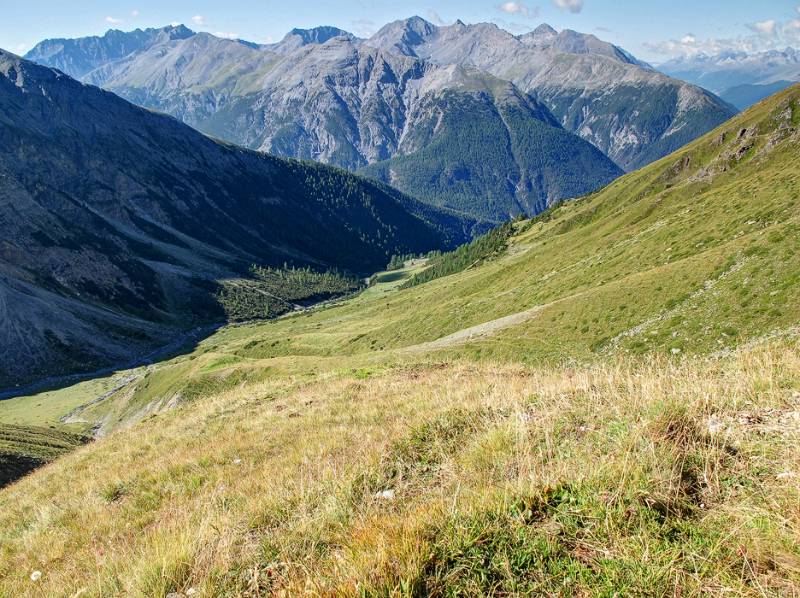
column 120, row 224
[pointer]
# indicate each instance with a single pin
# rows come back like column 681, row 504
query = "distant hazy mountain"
column 76, row 57
column 117, row 222
column 739, row 78
column 632, row 113
column 452, row 135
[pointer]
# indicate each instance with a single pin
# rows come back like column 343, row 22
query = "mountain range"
column 118, row 223
column 469, row 117
column 594, row 89
column 739, row 78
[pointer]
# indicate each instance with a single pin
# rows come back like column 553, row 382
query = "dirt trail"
column 482, row 330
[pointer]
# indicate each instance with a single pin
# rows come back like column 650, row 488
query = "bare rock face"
column 118, row 221
column 77, row 57
column 297, row 38
column 372, row 105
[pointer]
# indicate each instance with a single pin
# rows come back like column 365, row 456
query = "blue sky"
column 652, row 29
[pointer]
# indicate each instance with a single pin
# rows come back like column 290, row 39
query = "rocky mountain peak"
column 172, row 32
column 544, row 30
column 298, row 38
column 403, row 36
column 319, row 35
column 418, row 25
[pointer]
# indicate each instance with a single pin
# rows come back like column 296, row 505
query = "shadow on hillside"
column 183, row 344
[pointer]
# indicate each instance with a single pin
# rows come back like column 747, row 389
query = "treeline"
column 465, row 256
column 273, row 291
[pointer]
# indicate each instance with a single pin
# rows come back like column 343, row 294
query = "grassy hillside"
column 609, row 404
column 24, row 448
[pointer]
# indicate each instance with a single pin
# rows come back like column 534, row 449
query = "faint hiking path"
column 486, row 329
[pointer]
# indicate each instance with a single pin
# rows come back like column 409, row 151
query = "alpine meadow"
column 423, row 309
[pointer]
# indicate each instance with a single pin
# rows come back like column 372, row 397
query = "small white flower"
column 385, row 494
column 715, row 425
column 675, row 350
column 36, row 576
column 237, row 461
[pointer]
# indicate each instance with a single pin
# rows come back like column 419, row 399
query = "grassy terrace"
column 610, row 404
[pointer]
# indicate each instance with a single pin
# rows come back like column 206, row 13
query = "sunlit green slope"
column 693, row 254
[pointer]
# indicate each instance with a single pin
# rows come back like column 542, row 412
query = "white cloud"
column 689, row 46
column 764, row 35
column 199, row 20
column 791, row 31
column 363, row 27
column 766, row 28
column 574, row 6
column 134, row 13
column 226, row 34
column 434, row 17
column 113, row 21
column 516, row 8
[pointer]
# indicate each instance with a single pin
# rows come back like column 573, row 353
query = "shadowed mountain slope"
column 117, row 222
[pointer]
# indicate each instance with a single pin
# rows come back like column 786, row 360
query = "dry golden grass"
column 653, row 478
